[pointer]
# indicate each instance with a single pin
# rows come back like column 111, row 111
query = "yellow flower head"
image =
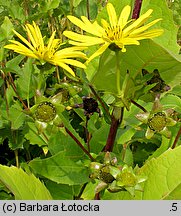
column 34, row 47
column 118, row 32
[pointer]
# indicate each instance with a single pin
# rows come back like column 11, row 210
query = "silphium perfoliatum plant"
column 115, row 177
column 158, row 120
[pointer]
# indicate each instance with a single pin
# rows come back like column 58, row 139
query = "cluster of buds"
column 115, row 177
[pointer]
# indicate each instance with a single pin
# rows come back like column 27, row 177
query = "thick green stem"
column 118, row 74
column 16, row 158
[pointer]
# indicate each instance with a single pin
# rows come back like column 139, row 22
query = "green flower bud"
column 106, row 177
column 127, row 179
column 157, row 122
column 45, row 112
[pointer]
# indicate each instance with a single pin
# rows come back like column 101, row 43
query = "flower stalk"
column 116, row 120
column 137, row 8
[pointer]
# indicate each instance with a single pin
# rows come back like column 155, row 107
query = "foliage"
column 66, row 137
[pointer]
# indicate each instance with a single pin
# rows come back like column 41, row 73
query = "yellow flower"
column 119, row 32
column 48, row 53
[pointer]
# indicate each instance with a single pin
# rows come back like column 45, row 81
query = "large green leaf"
column 24, row 186
column 60, row 169
column 65, row 119
column 171, row 101
column 16, row 116
column 63, row 142
column 24, row 83
column 6, row 29
column 62, row 191
column 123, row 195
column 164, row 176
column 161, row 10
column 32, row 134
column 174, row 195
column 134, row 60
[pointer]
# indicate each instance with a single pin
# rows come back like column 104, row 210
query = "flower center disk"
column 45, row 112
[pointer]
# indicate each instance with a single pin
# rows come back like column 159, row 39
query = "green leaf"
column 174, row 195
column 160, row 10
column 31, row 134
column 164, row 176
column 63, row 142
column 49, row 5
column 6, row 29
column 76, row 2
column 16, row 116
column 171, row 101
column 22, row 185
column 60, row 169
column 122, row 195
column 24, row 83
column 134, row 60
column 13, row 65
column 163, row 147
column 61, row 191
column 99, row 138
column 65, row 119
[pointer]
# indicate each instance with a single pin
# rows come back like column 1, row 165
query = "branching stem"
column 80, row 145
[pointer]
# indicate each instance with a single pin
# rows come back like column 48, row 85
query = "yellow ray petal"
column 50, row 42
column 98, row 28
column 105, row 24
column 32, row 31
column 79, row 23
column 149, row 34
column 98, row 52
column 70, row 55
column 24, row 40
column 138, row 22
column 123, row 19
column 130, row 41
column 91, row 27
column 39, row 36
column 112, row 15
column 31, row 37
column 143, row 28
column 21, row 50
column 74, row 63
column 81, row 38
column 66, row 67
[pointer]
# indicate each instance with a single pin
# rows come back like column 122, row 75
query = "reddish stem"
column 176, row 138
column 79, row 144
column 137, row 8
column 113, row 131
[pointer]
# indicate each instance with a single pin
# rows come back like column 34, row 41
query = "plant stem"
column 88, row 12
column 115, row 122
column 137, row 8
column 81, row 191
column 138, row 105
column 16, row 158
column 97, row 196
column 11, row 82
column 80, row 145
column 176, row 139
column 118, row 74
column 100, row 100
